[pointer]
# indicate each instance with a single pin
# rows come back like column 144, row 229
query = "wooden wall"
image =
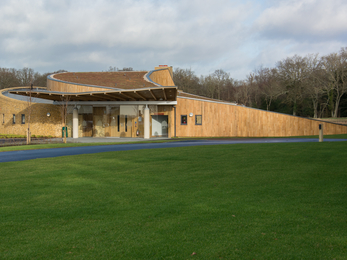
column 40, row 123
column 162, row 77
column 53, row 85
column 229, row 120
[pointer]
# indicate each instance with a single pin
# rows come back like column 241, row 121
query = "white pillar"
column 75, row 123
column 146, row 122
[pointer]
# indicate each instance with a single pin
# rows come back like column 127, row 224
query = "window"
column 126, row 123
column 14, row 119
column 118, row 123
column 23, row 119
column 184, row 119
column 3, row 118
column 198, row 119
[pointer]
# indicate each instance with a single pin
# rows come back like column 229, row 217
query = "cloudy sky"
column 233, row 35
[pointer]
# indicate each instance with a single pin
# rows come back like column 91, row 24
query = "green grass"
column 251, row 201
column 63, row 145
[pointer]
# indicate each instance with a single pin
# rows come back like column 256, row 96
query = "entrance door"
column 118, row 125
column 99, row 118
column 160, row 126
column 113, row 124
column 87, row 125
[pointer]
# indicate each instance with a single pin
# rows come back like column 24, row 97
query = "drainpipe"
column 175, row 120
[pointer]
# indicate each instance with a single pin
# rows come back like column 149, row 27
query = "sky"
column 233, row 35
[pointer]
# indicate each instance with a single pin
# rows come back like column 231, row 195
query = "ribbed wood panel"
column 53, row 85
column 162, row 77
column 229, row 120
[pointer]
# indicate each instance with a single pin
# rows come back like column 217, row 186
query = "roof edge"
column 51, row 77
column 147, row 78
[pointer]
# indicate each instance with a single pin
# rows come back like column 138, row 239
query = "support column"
column 146, row 122
column 75, row 123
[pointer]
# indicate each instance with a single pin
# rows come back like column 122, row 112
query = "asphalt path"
column 57, row 152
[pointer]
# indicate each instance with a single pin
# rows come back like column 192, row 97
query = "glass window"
column 118, row 123
column 14, row 119
column 184, row 119
column 23, row 119
column 198, row 119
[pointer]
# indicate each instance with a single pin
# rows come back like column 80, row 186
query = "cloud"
column 232, row 35
column 102, row 32
column 292, row 27
column 308, row 20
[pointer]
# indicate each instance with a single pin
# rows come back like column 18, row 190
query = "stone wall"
column 40, row 123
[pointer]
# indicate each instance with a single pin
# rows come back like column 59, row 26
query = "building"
column 139, row 104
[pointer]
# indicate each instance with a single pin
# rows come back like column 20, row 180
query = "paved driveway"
column 56, row 152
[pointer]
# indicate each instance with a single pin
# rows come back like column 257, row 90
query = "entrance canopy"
column 148, row 94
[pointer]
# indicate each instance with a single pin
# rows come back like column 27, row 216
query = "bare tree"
column 186, row 80
column 229, row 90
column 40, row 79
column 243, row 91
column 112, row 69
column 313, row 84
column 221, row 78
column 8, row 78
column 64, row 111
column 335, row 66
column 127, row 69
column 269, row 85
column 209, row 86
column 292, row 72
column 25, row 76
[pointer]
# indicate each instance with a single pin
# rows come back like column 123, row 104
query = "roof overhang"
column 156, row 94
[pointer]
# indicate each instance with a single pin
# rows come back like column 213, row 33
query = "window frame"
column 14, row 119
column 186, row 116
column 23, row 119
column 196, row 121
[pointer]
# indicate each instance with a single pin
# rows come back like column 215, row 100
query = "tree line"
column 10, row 77
column 310, row 86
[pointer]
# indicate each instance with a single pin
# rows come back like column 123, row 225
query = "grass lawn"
column 249, row 201
column 62, row 145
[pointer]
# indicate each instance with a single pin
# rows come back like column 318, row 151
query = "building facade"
column 138, row 104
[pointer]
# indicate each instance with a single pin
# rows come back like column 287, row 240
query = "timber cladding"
column 40, row 123
column 162, row 77
column 59, row 86
column 228, row 120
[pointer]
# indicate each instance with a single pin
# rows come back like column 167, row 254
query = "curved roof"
column 107, row 86
column 116, row 80
column 144, row 94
